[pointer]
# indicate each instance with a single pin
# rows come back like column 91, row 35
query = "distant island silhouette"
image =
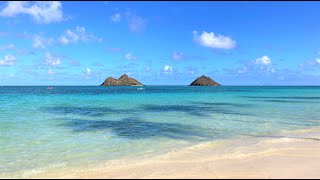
column 124, row 80
column 204, row 81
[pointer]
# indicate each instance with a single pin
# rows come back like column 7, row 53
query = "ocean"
column 83, row 126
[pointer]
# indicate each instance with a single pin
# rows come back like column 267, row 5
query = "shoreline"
column 294, row 154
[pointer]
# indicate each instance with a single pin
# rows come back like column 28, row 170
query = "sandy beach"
column 290, row 155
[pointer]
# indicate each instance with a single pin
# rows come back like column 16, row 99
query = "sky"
column 159, row 43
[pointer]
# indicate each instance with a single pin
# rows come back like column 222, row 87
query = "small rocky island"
column 204, row 81
column 124, row 80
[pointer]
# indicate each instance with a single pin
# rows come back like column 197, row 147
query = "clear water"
column 77, row 126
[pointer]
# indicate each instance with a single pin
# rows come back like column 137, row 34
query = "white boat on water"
column 139, row 89
column 50, row 87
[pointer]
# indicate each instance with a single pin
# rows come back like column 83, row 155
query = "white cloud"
column 41, row 12
column 89, row 74
column 41, row 42
column 88, row 71
column 116, row 17
column 50, row 71
column 76, row 35
column 167, row 69
column 261, row 66
column 130, row 56
column 264, row 60
column 214, row 41
column 136, row 23
column 177, row 55
column 310, row 65
column 63, row 40
column 52, row 60
column 8, row 60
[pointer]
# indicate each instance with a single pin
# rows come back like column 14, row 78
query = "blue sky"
column 158, row 43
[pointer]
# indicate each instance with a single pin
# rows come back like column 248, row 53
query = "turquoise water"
column 79, row 126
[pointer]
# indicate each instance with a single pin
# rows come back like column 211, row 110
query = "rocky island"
column 124, row 80
column 204, row 81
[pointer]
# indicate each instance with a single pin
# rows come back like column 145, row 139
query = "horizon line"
column 168, row 85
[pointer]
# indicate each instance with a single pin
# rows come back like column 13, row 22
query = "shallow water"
column 77, row 126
